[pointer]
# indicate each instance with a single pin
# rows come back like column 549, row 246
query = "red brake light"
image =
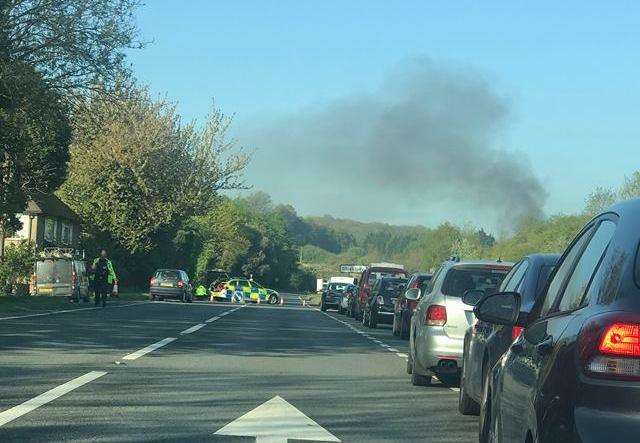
column 436, row 315
column 516, row 331
column 621, row 339
column 609, row 346
column 153, row 281
column 180, row 283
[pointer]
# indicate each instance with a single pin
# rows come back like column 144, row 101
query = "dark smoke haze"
column 421, row 149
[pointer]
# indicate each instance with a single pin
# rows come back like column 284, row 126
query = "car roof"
column 544, row 258
column 480, row 262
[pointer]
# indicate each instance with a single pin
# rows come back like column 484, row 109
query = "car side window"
column 574, row 292
column 563, row 271
column 517, row 277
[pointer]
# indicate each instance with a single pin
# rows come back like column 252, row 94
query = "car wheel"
column 486, row 419
column 466, row 405
column 394, row 328
column 373, row 320
column 418, row 379
column 323, row 307
column 364, row 318
column 449, row 379
column 409, row 365
column 404, row 329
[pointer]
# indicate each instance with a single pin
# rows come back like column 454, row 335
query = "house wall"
column 44, row 239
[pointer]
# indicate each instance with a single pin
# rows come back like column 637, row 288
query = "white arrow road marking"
column 140, row 352
column 49, row 396
column 276, row 421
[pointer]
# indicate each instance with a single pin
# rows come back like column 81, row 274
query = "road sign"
column 348, row 269
column 276, row 421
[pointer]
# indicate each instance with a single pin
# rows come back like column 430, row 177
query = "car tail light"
column 180, row 284
column 609, row 347
column 436, row 315
column 153, row 281
column 516, row 332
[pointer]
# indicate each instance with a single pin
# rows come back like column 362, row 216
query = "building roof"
column 49, row 204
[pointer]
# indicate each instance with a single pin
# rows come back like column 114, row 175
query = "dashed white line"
column 140, row 352
column 402, row 355
column 393, row 350
column 42, row 399
column 209, row 320
column 193, row 328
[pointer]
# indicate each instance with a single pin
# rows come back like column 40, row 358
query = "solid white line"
column 42, row 399
column 400, row 354
column 393, row 350
column 193, row 328
column 209, row 320
column 455, row 389
column 65, row 311
column 139, row 353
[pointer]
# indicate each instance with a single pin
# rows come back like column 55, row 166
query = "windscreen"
column 337, row 287
column 392, row 287
column 461, row 279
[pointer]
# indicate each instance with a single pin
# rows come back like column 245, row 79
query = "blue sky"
column 570, row 71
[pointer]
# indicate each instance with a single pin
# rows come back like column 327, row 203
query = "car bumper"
column 606, row 410
column 385, row 315
column 437, row 351
column 167, row 292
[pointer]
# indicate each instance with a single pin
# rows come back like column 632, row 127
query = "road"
column 227, row 361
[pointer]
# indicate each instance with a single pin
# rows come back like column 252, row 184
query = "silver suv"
column 441, row 319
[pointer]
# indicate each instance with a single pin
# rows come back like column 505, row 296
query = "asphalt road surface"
column 159, row 371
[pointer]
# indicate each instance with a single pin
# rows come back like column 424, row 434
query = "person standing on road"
column 104, row 277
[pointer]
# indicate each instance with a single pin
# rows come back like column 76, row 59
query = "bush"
column 17, row 265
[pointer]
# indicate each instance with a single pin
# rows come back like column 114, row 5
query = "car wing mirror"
column 412, row 294
column 501, row 308
column 471, row 297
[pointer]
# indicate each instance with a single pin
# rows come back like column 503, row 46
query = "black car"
column 332, row 296
column 171, row 284
column 485, row 343
column 382, row 299
column 404, row 307
column 574, row 373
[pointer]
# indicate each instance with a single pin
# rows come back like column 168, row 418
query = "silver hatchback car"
column 441, row 319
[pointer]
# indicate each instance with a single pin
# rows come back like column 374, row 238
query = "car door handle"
column 545, row 346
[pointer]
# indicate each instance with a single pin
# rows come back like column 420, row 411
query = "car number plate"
column 166, row 285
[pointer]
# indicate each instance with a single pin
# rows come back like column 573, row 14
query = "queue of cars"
column 545, row 350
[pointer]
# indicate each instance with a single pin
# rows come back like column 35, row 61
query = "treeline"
column 421, row 248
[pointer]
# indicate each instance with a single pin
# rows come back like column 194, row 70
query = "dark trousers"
column 102, row 290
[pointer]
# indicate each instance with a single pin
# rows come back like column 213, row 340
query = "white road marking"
column 455, row 389
column 393, row 350
column 193, row 328
column 209, row 320
column 402, row 355
column 277, row 421
column 65, row 311
column 139, row 353
column 42, row 399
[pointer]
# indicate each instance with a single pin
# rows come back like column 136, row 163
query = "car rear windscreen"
column 168, row 275
column 53, row 271
column 392, row 287
column 461, row 279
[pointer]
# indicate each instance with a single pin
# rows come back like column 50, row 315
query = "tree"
column 136, row 173
column 631, row 187
column 34, row 136
column 599, row 200
column 72, row 43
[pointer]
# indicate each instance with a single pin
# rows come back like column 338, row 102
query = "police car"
column 245, row 290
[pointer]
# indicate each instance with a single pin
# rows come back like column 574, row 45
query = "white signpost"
column 276, row 421
column 349, row 269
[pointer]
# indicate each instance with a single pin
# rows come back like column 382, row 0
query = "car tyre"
column 323, row 308
column 486, row 419
column 404, row 329
column 466, row 405
column 273, row 299
column 419, row 379
column 394, row 329
column 373, row 320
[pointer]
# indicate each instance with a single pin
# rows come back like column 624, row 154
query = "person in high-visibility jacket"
column 104, row 277
column 201, row 291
